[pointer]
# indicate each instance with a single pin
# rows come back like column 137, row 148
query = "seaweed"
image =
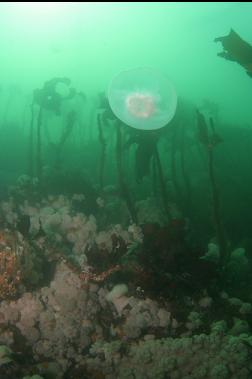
column 49, row 98
column 235, row 49
column 210, row 141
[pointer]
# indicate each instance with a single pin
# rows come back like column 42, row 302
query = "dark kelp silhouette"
column 104, row 115
column 210, row 141
column 237, row 50
column 48, row 98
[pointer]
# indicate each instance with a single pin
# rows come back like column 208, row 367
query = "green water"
column 90, row 43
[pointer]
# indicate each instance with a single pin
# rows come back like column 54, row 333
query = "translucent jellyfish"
column 142, row 98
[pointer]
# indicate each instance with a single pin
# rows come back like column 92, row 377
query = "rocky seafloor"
column 74, row 304
column 75, row 332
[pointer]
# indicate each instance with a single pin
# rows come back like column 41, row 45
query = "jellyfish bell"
column 142, row 98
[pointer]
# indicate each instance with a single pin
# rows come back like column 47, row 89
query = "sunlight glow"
column 37, row 8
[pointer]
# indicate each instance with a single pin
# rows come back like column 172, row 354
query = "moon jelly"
column 142, row 98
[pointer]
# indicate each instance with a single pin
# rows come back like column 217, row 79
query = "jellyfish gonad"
column 237, row 50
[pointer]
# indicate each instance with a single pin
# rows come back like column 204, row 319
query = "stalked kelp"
column 145, row 142
column 31, row 144
column 70, row 122
column 50, row 99
column 209, row 141
column 179, row 171
column 121, row 179
column 103, row 117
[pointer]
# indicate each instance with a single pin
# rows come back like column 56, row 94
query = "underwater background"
column 125, row 245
